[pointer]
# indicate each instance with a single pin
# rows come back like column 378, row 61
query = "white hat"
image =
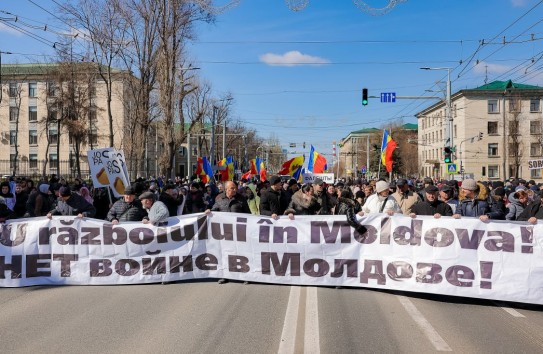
column 381, row 186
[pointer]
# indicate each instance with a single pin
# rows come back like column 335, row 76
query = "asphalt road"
column 205, row 317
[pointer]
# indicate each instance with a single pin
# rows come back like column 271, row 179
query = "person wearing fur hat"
column 473, row 203
column 381, row 202
column 303, row 202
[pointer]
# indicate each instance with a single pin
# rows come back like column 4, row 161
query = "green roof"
column 410, row 126
column 504, row 85
column 34, row 68
column 366, row 131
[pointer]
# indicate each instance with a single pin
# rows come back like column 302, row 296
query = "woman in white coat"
column 380, row 201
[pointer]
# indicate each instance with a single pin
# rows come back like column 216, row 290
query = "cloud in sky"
column 484, row 67
column 292, row 58
column 518, row 3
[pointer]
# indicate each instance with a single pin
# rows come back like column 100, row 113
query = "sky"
column 297, row 76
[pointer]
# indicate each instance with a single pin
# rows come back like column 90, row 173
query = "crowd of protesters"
column 154, row 200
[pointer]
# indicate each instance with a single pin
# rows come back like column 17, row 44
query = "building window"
column 535, row 149
column 483, row 171
column 535, row 105
column 13, row 114
column 493, row 149
column 12, row 137
column 53, row 161
column 493, row 171
column 33, row 160
column 53, row 136
column 94, row 136
column 535, row 127
column 492, row 128
column 11, row 161
column 12, row 89
column 513, row 127
column 32, row 89
column 33, row 137
column 535, row 173
column 493, row 106
column 514, row 105
column 51, row 89
column 32, row 114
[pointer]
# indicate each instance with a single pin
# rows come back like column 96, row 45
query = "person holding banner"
column 157, row 211
column 381, row 202
column 73, row 204
column 431, row 205
column 128, row 208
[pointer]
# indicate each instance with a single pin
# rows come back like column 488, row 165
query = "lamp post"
column 448, row 116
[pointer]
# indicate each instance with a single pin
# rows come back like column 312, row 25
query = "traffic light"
column 480, row 135
column 448, row 154
column 364, row 97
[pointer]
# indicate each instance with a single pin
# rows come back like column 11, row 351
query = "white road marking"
column 288, row 336
column 509, row 310
column 426, row 327
column 311, row 337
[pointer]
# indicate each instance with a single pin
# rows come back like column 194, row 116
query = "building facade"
column 496, row 130
column 32, row 106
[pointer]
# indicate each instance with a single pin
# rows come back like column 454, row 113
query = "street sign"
column 452, row 168
column 388, row 96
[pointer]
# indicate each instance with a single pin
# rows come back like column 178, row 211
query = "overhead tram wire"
column 55, row 16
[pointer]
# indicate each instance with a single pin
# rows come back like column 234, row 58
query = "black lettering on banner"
column 238, row 264
column 279, row 233
column 399, row 270
column 264, row 230
column 207, row 261
column 367, row 237
column 16, row 267
column 404, row 235
column 5, row 235
column 241, row 229
column 429, row 273
column 89, row 237
column 341, row 264
column 69, row 237
column 175, row 265
column 486, row 273
column 322, row 267
column 530, row 164
column 38, row 261
column 44, row 235
column 216, row 233
column 527, row 235
column 100, row 267
column 141, row 236
column 271, row 260
column 467, row 242
column 505, row 241
column 202, row 227
column 150, row 265
column 439, row 237
column 386, row 226
column 114, row 235
column 65, row 265
column 373, row 269
column 456, row 274
column 127, row 267
column 319, row 228
column 187, row 234
column 161, row 235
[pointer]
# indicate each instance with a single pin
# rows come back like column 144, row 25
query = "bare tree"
column 515, row 139
column 17, row 112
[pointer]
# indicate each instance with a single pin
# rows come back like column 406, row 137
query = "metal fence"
column 34, row 168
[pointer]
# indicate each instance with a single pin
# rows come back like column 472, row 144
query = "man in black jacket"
column 230, row 200
column 73, row 204
column 431, row 205
column 270, row 201
column 127, row 208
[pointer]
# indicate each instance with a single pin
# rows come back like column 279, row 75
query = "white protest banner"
column 535, row 164
column 98, row 159
column 460, row 257
column 310, row 177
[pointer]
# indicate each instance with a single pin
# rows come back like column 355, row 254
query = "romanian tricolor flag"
column 387, row 148
column 317, row 162
column 261, row 169
column 204, row 170
column 223, row 169
column 247, row 175
column 253, row 167
column 230, row 167
column 292, row 166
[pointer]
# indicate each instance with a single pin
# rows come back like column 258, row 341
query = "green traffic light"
column 364, row 102
column 447, row 159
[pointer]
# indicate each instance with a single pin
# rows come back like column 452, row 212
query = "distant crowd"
column 153, row 200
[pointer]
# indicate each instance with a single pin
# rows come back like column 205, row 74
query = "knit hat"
column 44, row 188
column 64, row 191
column 381, row 186
column 469, row 184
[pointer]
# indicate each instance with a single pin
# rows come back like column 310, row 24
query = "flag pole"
column 381, row 156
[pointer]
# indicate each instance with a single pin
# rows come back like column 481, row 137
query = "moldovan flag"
column 261, row 169
column 317, row 162
column 204, row 170
column 387, row 147
column 292, row 166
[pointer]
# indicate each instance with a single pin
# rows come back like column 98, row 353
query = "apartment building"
column 29, row 116
column 496, row 130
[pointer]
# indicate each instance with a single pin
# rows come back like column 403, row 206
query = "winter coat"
column 534, row 209
column 374, row 205
column 195, row 202
column 326, row 205
column 301, row 205
column 171, row 203
column 427, row 208
column 158, row 213
column 345, row 204
column 20, row 204
column 515, row 208
column 236, row 204
column 406, row 200
column 254, row 200
column 123, row 211
column 75, row 205
column 38, row 204
column 270, row 203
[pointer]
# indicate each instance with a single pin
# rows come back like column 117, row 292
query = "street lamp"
column 448, row 116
